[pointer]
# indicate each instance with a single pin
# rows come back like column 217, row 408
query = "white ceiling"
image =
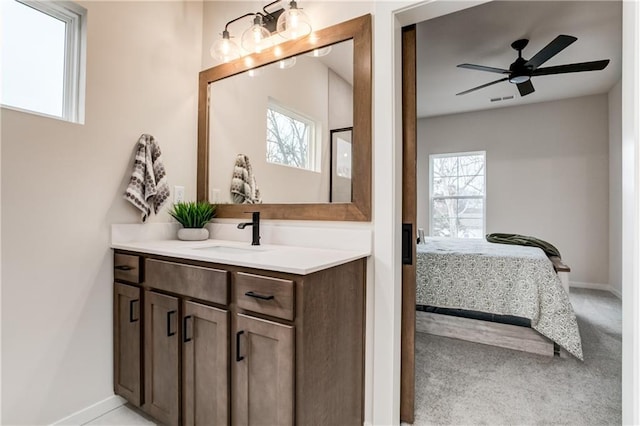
column 483, row 34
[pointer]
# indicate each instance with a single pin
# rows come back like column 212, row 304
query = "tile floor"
column 122, row 416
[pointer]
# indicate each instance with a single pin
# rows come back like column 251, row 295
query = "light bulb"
column 293, row 23
column 225, row 50
column 256, row 38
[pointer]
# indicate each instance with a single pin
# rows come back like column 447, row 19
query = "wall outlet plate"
column 178, row 194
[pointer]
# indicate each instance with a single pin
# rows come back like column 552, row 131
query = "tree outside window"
column 290, row 138
column 457, row 201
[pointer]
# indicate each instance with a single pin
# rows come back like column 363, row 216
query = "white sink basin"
column 232, row 249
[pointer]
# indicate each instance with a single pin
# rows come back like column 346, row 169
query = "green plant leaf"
column 193, row 214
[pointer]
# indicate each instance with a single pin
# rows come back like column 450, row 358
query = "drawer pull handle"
column 238, row 356
column 184, row 328
column 124, row 267
column 169, row 332
column 259, row 296
column 131, row 318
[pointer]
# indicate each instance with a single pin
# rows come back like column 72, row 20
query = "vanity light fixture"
column 225, row 50
column 256, row 38
column 292, row 24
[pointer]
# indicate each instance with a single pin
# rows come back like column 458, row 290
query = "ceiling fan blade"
column 579, row 67
column 525, row 88
column 482, row 87
column 483, row 68
column 550, row 50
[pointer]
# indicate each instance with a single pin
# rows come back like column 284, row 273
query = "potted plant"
column 193, row 216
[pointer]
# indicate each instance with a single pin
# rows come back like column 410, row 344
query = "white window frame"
column 459, row 197
column 75, row 19
column 313, row 157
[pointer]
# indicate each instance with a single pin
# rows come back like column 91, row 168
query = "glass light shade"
column 225, row 50
column 254, row 72
column 293, row 23
column 256, row 38
column 287, row 63
column 322, row 51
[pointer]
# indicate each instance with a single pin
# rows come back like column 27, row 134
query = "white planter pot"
column 193, row 234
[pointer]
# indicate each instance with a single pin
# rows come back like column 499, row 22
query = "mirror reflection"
column 341, row 161
column 281, row 133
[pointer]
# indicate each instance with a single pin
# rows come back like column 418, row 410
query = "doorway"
column 409, row 187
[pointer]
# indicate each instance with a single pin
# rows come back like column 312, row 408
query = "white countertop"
column 271, row 257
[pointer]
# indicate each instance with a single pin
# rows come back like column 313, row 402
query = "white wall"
column 630, row 212
column 615, row 188
column 62, row 188
column 547, row 174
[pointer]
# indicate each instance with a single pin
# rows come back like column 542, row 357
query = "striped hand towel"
column 244, row 189
column 148, row 186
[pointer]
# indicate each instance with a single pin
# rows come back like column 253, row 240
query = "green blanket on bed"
column 524, row 240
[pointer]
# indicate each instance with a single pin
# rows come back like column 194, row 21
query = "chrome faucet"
column 255, row 223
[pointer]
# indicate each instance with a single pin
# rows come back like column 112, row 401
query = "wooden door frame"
column 409, row 207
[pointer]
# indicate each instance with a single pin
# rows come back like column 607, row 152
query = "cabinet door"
column 205, row 365
column 127, row 343
column 263, row 392
column 161, row 359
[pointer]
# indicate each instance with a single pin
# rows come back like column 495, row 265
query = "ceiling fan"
column 521, row 71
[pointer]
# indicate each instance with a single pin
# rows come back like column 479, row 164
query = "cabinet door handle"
column 169, row 332
column 131, row 302
column 238, row 356
column 259, row 296
column 184, row 328
column 124, row 267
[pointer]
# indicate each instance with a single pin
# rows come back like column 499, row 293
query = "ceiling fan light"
column 519, row 79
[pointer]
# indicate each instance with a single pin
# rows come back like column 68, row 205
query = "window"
column 43, row 58
column 457, row 188
column 291, row 138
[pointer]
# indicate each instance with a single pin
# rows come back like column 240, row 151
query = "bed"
column 503, row 281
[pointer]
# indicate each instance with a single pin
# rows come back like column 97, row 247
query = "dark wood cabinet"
column 227, row 345
column 127, row 342
column 162, row 358
column 205, row 365
column 263, row 384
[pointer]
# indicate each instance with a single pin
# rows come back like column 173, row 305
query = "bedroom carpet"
column 463, row 383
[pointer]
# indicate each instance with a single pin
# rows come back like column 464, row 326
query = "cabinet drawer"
column 269, row 296
column 126, row 267
column 193, row 281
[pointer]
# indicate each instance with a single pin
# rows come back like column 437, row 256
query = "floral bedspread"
column 500, row 279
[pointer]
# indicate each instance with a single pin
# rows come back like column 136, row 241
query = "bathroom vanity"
column 218, row 333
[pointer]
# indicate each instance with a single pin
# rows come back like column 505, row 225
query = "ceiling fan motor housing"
column 520, row 72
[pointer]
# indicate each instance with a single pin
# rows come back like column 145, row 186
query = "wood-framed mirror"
column 350, row 36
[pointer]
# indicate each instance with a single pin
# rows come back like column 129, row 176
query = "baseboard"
column 596, row 286
column 92, row 412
